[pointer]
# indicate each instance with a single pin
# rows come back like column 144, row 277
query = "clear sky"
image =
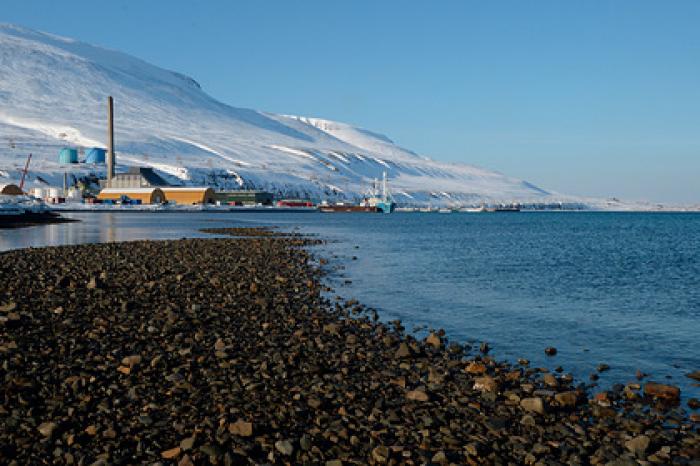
column 586, row 97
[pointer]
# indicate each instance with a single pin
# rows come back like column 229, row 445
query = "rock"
column 665, row 392
column 131, row 361
column 417, row 395
column 485, row 384
column 188, row 443
column 550, row 380
column 694, row 403
column 170, row 454
column 380, row 454
column 566, row 399
column 550, row 351
column 331, row 328
column 476, row 368
column 638, row 445
column 241, row 428
column 535, row 405
column 94, row 283
column 11, row 306
column 285, row 447
column 302, row 365
column 47, row 428
column 694, row 375
column 403, row 352
column 484, row 347
column 434, row 340
column 603, row 367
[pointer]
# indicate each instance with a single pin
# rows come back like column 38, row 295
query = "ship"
column 374, row 203
column 346, row 207
column 385, row 203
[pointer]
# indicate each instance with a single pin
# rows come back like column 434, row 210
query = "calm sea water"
column 616, row 288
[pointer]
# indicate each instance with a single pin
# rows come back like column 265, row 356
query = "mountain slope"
column 53, row 92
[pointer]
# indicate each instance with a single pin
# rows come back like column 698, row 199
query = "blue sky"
column 598, row 98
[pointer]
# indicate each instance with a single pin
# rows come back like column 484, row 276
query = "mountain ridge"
column 53, row 92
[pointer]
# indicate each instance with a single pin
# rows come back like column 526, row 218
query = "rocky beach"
column 228, row 351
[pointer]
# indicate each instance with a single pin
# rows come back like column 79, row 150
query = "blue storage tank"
column 68, row 155
column 96, row 155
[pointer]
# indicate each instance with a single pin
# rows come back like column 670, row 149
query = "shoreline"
column 225, row 349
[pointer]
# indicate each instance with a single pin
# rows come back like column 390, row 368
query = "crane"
column 24, row 173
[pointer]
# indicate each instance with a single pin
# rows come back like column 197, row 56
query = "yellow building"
column 145, row 195
column 189, row 194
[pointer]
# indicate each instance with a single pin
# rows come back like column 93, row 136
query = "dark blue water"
column 616, row 288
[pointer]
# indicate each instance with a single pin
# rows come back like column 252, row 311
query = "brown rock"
column 476, row 368
column 665, row 392
column 638, row 445
column 380, row 454
column 567, row 399
column 417, row 395
column 550, row 380
column 694, row 375
column 46, row 428
column 170, row 454
column 132, row 360
column 434, row 340
column 404, row 351
column 485, row 384
column 241, row 428
column 534, row 405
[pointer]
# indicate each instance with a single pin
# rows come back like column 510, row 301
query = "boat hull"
column 347, row 208
column 385, row 207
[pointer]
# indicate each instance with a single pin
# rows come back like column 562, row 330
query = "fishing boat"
column 373, row 203
column 384, row 203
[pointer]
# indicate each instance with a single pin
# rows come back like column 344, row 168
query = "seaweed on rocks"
column 225, row 351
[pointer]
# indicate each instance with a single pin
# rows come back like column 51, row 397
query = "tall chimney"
column 110, row 137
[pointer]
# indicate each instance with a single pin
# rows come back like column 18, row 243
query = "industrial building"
column 144, row 195
column 189, row 194
column 136, row 177
column 244, row 197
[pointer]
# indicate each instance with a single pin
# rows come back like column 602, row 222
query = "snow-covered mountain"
column 53, row 93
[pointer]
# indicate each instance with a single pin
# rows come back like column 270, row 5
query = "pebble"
column 227, row 350
column 285, row 447
column 666, row 392
column 550, row 351
column 535, row 405
column 47, row 428
column 170, row 454
column 417, row 395
column 638, row 445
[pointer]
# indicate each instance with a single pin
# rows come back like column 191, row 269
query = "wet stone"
column 226, row 351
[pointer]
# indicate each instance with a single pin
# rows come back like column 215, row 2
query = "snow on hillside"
column 53, row 94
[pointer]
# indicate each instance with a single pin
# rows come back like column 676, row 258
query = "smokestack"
column 110, row 137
